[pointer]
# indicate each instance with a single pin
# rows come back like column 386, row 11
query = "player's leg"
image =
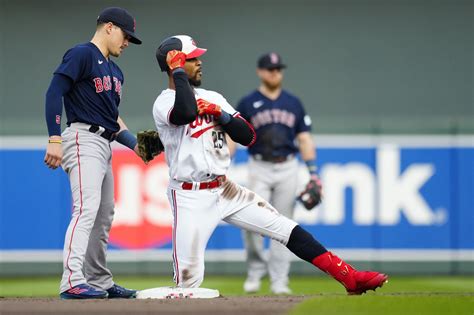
column 95, row 268
column 260, row 181
column 283, row 199
column 86, row 173
column 303, row 245
column 195, row 217
column 246, row 212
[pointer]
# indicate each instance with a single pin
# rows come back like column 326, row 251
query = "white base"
column 177, row 293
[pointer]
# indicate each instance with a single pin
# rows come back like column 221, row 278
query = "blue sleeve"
column 303, row 122
column 59, row 86
column 76, row 64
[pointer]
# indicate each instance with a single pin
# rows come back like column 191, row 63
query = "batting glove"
column 206, row 108
column 175, row 59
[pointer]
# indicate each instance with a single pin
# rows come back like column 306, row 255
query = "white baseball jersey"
column 198, row 148
column 198, row 152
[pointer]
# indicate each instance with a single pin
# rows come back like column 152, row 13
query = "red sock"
column 337, row 268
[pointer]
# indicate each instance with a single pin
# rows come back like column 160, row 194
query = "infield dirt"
column 223, row 305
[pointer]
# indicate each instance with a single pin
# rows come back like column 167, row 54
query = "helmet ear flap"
column 161, row 58
column 171, row 43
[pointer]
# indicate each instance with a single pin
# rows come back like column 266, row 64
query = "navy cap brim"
column 271, row 67
column 133, row 38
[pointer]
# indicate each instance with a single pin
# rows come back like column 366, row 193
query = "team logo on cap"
column 134, row 24
column 273, row 58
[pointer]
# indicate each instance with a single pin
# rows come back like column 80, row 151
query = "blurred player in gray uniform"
column 283, row 129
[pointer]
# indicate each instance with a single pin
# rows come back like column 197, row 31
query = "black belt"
column 273, row 159
column 106, row 134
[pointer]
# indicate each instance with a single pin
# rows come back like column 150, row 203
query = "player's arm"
column 305, row 141
column 306, row 146
column 313, row 193
column 59, row 86
column 307, row 150
column 125, row 137
column 184, row 109
column 238, row 129
column 230, row 143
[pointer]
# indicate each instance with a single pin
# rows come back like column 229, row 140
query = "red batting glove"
column 206, row 108
column 175, row 59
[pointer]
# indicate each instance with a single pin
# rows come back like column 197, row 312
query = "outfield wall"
column 402, row 204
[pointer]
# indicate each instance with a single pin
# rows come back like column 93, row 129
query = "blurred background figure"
column 283, row 129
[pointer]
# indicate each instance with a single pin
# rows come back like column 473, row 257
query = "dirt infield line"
column 223, row 305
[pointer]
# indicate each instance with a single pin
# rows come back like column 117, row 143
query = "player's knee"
column 107, row 209
column 283, row 228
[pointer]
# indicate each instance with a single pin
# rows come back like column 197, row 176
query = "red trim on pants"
column 80, row 209
column 175, row 255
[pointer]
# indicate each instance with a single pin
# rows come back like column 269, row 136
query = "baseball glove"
column 149, row 145
column 312, row 195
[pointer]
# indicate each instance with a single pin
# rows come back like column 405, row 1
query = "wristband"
column 312, row 168
column 55, row 141
column 178, row 70
column 225, row 117
column 126, row 138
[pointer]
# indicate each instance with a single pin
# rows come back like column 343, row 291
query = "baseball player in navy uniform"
column 283, row 129
column 193, row 124
column 91, row 85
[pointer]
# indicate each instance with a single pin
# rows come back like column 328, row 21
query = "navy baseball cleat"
column 83, row 291
column 118, row 292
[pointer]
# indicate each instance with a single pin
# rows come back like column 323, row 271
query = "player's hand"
column 206, row 108
column 315, row 178
column 312, row 195
column 175, row 59
column 54, row 154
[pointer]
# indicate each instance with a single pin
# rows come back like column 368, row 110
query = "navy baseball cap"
column 270, row 61
column 122, row 19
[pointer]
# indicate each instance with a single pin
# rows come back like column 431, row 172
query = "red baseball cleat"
column 356, row 282
column 366, row 280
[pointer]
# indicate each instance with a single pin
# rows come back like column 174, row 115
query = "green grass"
column 405, row 304
column 402, row 295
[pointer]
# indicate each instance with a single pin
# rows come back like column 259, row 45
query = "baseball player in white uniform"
column 193, row 123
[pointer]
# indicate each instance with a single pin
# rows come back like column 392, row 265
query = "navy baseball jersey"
column 276, row 122
column 97, row 87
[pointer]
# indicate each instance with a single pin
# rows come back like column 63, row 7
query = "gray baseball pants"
column 87, row 161
column 276, row 183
